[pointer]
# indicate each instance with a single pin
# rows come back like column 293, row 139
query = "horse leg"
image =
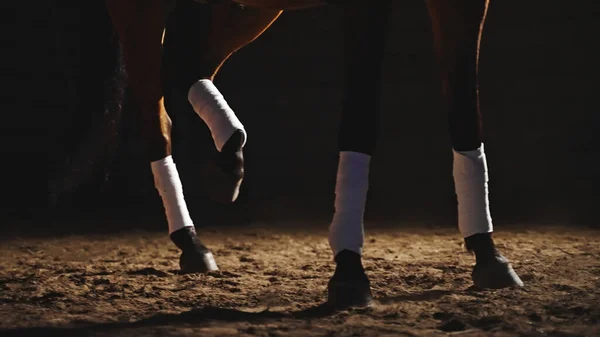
column 457, row 28
column 198, row 40
column 365, row 28
column 140, row 24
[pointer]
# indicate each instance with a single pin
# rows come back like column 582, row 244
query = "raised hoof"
column 224, row 174
column 349, row 287
column 221, row 186
column 197, row 262
column 495, row 274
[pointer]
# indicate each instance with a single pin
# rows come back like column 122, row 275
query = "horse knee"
column 155, row 131
column 139, row 26
column 200, row 38
column 457, row 26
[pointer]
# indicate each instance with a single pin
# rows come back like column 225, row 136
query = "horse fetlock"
column 224, row 175
column 482, row 245
column 231, row 157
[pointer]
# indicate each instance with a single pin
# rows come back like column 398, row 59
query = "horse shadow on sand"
column 194, row 316
column 207, row 314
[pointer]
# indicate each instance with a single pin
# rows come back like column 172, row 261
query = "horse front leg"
column 198, row 40
column 140, row 24
column 365, row 29
column 457, row 28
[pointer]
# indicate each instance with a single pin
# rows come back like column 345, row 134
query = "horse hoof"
column 197, row 262
column 221, row 186
column 224, row 174
column 349, row 294
column 349, row 287
column 495, row 274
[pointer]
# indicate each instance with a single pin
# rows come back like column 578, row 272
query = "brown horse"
column 192, row 59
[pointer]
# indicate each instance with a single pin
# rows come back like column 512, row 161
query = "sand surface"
column 272, row 282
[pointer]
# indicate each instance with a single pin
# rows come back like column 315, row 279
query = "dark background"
column 538, row 97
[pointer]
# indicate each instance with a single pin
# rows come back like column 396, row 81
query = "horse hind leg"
column 139, row 25
column 199, row 39
column 457, row 28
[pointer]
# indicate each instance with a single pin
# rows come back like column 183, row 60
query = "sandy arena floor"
column 271, row 283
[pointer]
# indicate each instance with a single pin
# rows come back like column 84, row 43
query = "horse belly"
column 282, row 4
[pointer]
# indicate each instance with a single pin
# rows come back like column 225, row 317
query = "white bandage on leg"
column 210, row 105
column 168, row 184
column 471, row 186
column 346, row 229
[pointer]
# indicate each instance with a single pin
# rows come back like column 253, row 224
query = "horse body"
column 194, row 58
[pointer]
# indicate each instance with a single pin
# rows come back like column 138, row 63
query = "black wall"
column 538, row 84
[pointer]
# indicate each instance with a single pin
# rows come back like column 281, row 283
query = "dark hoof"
column 220, row 185
column 195, row 257
column 224, row 174
column 495, row 274
column 197, row 262
column 349, row 287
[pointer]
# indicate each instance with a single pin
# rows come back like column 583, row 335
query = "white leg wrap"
column 346, row 229
column 210, row 105
column 168, row 184
column 471, row 186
